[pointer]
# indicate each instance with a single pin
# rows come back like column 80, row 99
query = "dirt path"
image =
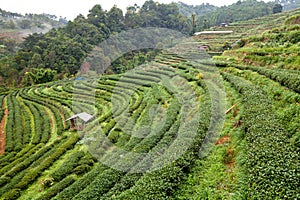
column 2, row 133
column 222, row 140
column 50, row 116
column 63, row 118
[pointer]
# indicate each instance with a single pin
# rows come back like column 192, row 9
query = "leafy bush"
column 81, row 183
column 270, row 153
column 284, row 77
column 56, row 188
column 11, row 195
column 67, row 167
column 295, row 19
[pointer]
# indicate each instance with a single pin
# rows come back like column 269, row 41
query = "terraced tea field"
column 243, row 29
column 176, row 128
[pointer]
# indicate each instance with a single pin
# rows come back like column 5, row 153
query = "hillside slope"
column 157, row 131
column 242, row 30
column 17, row 26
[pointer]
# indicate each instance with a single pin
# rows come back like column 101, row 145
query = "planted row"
column 162, row 183
column 272, row 161
column 36, row 169
column 14, row 127
column 284, row 77
column 286, row 101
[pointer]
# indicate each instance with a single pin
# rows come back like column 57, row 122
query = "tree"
column 85, row 30
column 289, row 4
column 37, row 76
column 97, row 16
column 10, row 24
column 36, row 61
column 277, row 8
column 132, row 19
column 149, row 5
column 194, row 21
column 25, row 24
column 115, row 20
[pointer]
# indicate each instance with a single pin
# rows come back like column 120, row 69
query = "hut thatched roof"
column 83, row 116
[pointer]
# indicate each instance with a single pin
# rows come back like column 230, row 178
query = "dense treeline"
column 63, row 50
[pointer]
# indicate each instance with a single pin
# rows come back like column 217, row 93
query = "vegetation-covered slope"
column 277, row 48
column 209, row 16
column 255, row 155
column 16, row 26
column 244, row 29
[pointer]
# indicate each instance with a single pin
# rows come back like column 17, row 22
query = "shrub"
column 269, row 144
column 56, row 188
column 11, row 195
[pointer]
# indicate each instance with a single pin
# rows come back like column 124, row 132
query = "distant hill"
column 271, row 42
column 208, row 15
column 199, row 10
column 17, row 26
column 289, row 4
column 243, row 29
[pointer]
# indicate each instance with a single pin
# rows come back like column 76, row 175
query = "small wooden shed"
column 79, row 121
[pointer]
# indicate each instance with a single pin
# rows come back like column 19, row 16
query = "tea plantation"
column 181, row 140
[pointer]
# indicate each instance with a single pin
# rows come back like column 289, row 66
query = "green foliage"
column 14, row 130
column 18, row 159
column 101, row 184
column 65, row 50
column 287, row 100
column 188, row 10
column 25, row 24
column 67, row 167
column 133, row 59
column 47, row 182
column 277, row 8
column 205, row 177
column 58, row 187
column 37, row 116
column 19, row 171
column 284, row 77
column 209, row 16
column 37, row 76
column 13, row 194
column 29, row 175
column 269, row 152
column 81, row 183
column 295, row 19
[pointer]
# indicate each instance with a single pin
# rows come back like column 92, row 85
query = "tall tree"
column 277, row 8
column 115, row 19
column 194, row 22
column 97, row 16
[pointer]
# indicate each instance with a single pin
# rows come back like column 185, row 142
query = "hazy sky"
column 71, row 8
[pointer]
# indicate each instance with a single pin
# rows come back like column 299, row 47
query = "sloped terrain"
column 244, row 29
column 172, row 103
